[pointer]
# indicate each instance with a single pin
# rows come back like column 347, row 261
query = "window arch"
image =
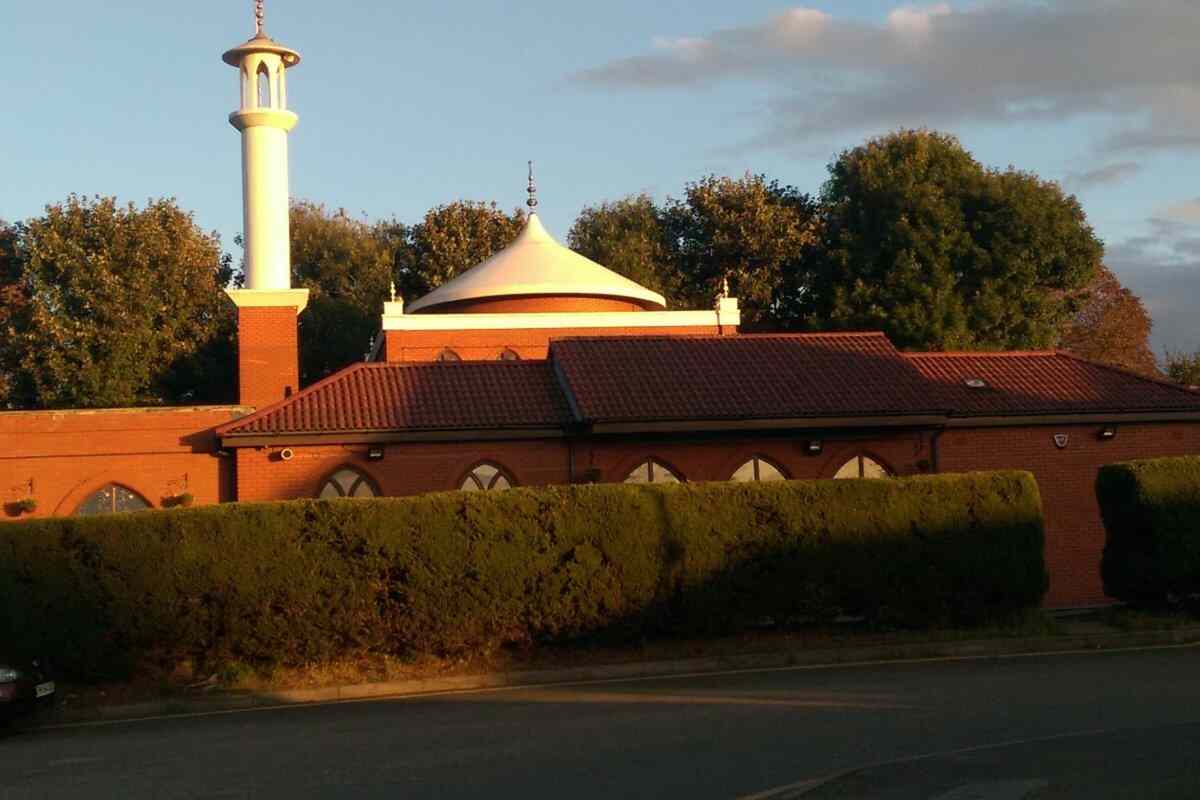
column 448, row 355
column 652, row 471
column 111, row 499
column 510, row 355
column 758, row 469
column 486, row 477
column 262, row 86
column 862, row 467
column 347, row 482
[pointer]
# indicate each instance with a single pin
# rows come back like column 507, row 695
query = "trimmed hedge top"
column 1151, row 511
column 301, row 581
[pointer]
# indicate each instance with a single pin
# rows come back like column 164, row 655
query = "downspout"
column 935, row 461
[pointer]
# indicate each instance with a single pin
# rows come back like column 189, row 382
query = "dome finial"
column 259, row 15
column 532, row 202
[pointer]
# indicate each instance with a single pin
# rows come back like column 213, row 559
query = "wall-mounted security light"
column 814, row 447
column 375, row 452
column 1107, row 432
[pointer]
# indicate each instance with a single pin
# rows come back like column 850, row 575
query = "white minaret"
column 264, row 121
column 267, row 306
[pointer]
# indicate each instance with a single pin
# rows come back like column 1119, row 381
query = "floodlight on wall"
column 814, row 447
column 375, row 452
column 1107, row 432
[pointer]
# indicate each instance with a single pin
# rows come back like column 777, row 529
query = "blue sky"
column 407, row 105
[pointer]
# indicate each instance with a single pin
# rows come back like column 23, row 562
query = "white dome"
column 537, row 265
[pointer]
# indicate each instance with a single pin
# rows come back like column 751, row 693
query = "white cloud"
column 1187, row 212
column 800, row 24
column 1131, row 61
column 1163, row 268
column 916, row 22
column 1109, row 173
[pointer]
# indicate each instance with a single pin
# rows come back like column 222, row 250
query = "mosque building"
column 539, row 367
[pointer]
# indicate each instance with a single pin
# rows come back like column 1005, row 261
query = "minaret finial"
column 259, row 14
column 532, row 202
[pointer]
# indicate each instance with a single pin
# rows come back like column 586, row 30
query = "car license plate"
column 43, row 689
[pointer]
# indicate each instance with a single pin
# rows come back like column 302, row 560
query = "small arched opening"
column 485, row 477
column 862, row 466
column 263, row 86
column 758, row 468
column 111, row 499
column 348, row 482
column 653, row 471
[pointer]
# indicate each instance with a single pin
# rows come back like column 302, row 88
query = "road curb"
column 860, row 655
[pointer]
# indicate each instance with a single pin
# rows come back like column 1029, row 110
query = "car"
column 25, row 688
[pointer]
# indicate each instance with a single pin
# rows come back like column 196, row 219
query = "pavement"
column 1109, row 724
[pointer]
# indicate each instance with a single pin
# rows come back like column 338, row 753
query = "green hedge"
column 302, row 581
column 1151, row 512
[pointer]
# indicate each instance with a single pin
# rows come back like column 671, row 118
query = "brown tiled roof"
column 1043, row 383
column 437, row 396
column 673, row 379
column 774, row 376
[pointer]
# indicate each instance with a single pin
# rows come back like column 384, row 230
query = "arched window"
column 110, row 499
column 509, row 355
column 448, row 355
column 347, row 483
column 263, row 78
column 862, row 467
column 758, row 469
column 486, row 477
column 652, row 471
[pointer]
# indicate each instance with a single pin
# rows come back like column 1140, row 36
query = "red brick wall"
column 716, row 458
column 528, row 343
column 1066, row 478
column 61, row 457
column 406, row 469
column 428, row 467
column 268, row 355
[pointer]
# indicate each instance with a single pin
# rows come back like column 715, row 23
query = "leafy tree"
column 749, row 231
column 111, row 305
column 628, row 236
column 921, row 241
column 346, row 264
column 1112, row 326
column 1184, row 368
column 451, row 239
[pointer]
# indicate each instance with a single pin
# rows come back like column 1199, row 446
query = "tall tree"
column 629, row 237
column 451, row 239
column 749, row 231
column 921, row 241
column 346, row 264
column 1184, row 368
column 111, row 305
column 1111, row 326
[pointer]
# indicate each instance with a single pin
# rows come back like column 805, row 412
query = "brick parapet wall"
column 1066, row 478
column 528, row 343
column 59, row 458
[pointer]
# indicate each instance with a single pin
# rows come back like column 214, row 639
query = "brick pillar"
column 268, row 344
column 268, row 355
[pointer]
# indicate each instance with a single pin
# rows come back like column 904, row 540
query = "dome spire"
column 260, row 14
column 532, row 202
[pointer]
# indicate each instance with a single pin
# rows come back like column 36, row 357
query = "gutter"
column 802, row 423
column 1088, row 418
column 388, row 437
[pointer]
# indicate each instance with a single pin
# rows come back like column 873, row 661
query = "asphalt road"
column 1095, row 726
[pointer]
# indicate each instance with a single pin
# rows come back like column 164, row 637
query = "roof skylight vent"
column 976, row 383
